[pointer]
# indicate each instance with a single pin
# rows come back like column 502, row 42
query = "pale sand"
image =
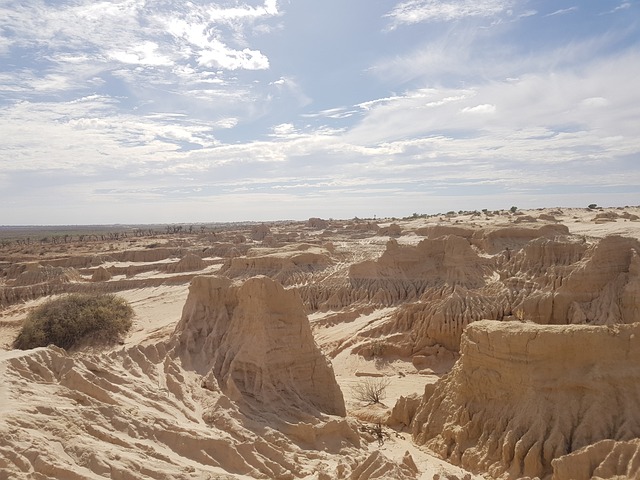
column 158, row 309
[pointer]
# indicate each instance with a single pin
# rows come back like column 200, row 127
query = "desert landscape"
column 472, row 344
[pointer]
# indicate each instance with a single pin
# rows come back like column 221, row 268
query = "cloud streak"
column 418, row 11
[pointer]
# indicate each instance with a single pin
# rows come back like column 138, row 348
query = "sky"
column 167, row 111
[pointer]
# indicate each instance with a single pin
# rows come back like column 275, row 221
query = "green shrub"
column 67, row 321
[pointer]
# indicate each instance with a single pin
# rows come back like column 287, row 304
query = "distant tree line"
column 101, row 237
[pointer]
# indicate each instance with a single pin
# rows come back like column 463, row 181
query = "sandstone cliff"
column 443, row 284
column 404, row 272
column 522, row 395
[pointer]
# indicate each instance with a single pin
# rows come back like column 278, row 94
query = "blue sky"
column 141, row 111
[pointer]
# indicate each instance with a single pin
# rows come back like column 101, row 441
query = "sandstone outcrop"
column 606, row 459
column 443, row 284
column 317, row 223
column 604, row 287
column 435, row 231
column 226, row 250
column 254, row 339
column 240, row 390
column 498, row 239
column 393, row 230
column 404, row 272
column 286, row 266
column 523, row 394
column 36, row 273
column 189, row 263
column 101, row 274
column 146, row 255
column 260, row 232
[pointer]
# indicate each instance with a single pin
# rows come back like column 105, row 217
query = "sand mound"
column 377, row 466
column 36, row 273
column 393, row 230
column 441, row 315
column 522, row 395
column 254, row 340
column 189, row 263
column 135, row 414
column 260, row 232
column 101, row 274
column 317, row 223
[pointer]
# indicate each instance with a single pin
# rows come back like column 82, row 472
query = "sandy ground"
column 159, row 308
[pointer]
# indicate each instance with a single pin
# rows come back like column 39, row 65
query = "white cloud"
column 144, row 54
column 199, row 40
column 290, row 86
column 226, row 123
column 528, row 13
column 283, row 130
column 270, row 8
column 559, row 117
column 417, row 11
column 595, row 102
column 134, row 32
column 219, row 55
column 562, row 11
column 480, row 109
column 335, row 113
column 622, row 6
column 80, row 134
column 464, row 56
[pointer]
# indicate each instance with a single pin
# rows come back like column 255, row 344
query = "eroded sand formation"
column 254, row 340
column 240, row 388
column 522, row 395
column 247, row 343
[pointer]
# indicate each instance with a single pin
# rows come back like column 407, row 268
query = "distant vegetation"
column 75, row 319
column 26, row 237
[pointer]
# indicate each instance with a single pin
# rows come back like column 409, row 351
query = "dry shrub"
column 371, row 390
column 73, row 319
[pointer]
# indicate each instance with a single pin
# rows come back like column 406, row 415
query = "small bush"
column 67, row 321
column 371, row 390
